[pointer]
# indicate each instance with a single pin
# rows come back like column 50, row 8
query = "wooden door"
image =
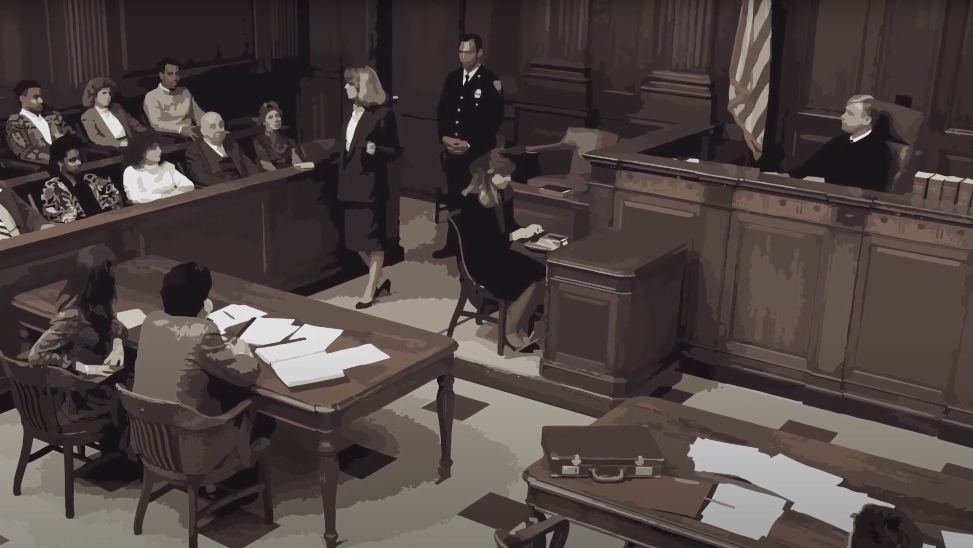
column 907, row 321
column 424, row 38
column 774, row 273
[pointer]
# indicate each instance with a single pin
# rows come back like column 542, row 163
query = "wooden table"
column 416, row 357
column 932, row 499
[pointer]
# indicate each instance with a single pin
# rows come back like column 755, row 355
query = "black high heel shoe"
column 383, row 290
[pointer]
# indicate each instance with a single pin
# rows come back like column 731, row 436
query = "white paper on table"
column 792, row 480
column 264, row 331
column 307, row 340
column 234, row 314
column 957, row 540
column 836, row 506
column 131, row 318
column 717, row 457
column 743, row 511
column 324, row 366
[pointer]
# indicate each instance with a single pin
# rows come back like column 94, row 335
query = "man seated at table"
column 16, row 217
column 169, row 108
column 215, row 159
column 183, row 357
column 883, row 527
column 860, row 157
column 31, row 131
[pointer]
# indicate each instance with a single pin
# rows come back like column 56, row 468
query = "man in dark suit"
column 860, row 157
column 214, row 159
column 16, row 217
column 469, row 114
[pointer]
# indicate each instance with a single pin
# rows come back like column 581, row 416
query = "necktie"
column 466, row 79
column 4, row 231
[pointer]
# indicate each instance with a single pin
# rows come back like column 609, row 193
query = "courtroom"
column 486, row 273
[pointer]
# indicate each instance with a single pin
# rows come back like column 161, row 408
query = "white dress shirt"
column 151, row 183
column 352, row 126
column 219, row 149
column 113, row 123
column 468, row 75
column 40, row 123
column 860, row 137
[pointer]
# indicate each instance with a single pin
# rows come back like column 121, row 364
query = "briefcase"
column 606, row 454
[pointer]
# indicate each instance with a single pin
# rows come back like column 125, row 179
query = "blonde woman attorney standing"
column 370, row 142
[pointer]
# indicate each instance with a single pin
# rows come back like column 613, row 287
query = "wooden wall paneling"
column 276, row 29
column 952, row 108
column 24, row 51
column 498, row 23
column 843, row 47
column 424, row 39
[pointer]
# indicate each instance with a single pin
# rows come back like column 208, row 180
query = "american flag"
column 750, row 73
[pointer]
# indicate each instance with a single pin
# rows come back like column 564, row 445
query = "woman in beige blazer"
column 106, row 124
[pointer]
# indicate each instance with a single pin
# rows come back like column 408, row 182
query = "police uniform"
column 471, row 111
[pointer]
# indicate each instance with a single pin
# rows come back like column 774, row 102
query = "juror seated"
column 487, row 230
column 860, row 157
column 214, row 159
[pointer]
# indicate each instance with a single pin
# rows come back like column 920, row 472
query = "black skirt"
column 364, row 226
column 508, row 273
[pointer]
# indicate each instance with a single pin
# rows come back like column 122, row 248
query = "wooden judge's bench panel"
column 861, row 295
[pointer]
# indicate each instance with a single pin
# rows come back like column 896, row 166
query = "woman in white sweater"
column 147, row 178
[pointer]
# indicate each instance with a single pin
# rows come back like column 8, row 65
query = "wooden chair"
column 186, row 449
column 471, row 291
column 579, row 141
column 40, row 395
column 905, row 127
column 535, row 535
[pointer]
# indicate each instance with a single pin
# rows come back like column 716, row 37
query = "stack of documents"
column 131, row 318
column 304, row 357
column 743, row 511
column 234, row 314
column 813, row 492
column 264, row 331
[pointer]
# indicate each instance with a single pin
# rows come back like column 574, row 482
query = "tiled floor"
column 388, row 496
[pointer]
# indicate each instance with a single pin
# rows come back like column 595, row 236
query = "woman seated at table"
column 105, row 123
column 487, row 229
column 70, row 195
column 85, row 336
column 883, row 527
column 274, row 150
column 147, row 177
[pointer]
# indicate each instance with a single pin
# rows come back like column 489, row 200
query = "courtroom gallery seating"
column 184, row 448
column 39, row 394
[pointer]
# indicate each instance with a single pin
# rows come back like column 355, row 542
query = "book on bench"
column 557, row 191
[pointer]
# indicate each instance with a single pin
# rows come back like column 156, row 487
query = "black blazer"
column 362, row 177
column 203, row 163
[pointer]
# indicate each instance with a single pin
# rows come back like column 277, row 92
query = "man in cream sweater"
column 171, row 109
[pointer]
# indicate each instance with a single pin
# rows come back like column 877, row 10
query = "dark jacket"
column 203, row 163
column 27, row 218
column 362, row 177
column 98, row 132
column 474, row 112
column 864, row 164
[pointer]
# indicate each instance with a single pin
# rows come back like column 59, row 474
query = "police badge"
column 478, row 93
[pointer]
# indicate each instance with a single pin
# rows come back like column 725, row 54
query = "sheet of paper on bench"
column 264, row 331
column 743, row 511
column 717, row 457
column 836, row 506
column 957, row 540
column 131, row 318
column 307, row 340
column 234, row 314
column 324, row 366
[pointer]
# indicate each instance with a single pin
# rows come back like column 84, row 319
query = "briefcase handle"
column 617, row 478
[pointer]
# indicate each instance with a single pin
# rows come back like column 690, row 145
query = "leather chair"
column 905, row 128
column 535, row 535
column 579, row 141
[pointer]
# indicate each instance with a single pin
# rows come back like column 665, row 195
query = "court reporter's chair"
column 186, row 449
column 43, row 396
column 472, row 292
column 535, row 536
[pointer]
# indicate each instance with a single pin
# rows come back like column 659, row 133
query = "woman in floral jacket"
column 69, row 195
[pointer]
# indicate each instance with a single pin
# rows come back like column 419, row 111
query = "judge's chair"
column 535, row 536
column 578, row 141
column 44, row 397
column 475, row 294
column 905, row 128
column 183, row 448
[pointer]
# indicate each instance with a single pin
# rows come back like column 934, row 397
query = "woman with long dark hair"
column 86, row 336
